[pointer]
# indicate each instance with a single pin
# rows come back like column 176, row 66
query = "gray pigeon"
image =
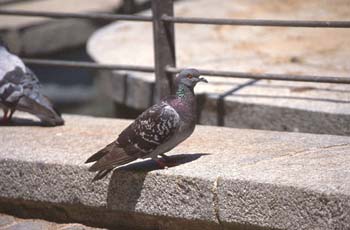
column 156, row 131
column 20, row 90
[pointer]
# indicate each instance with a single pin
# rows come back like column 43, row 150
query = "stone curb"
column 34, row 35
column 226, row 179
column 11, row 223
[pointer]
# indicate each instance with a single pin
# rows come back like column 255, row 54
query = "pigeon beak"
column 202, row 79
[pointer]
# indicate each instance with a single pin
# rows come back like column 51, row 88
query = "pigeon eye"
column 189, row 76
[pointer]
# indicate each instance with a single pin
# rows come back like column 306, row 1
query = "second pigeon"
column 20, row 90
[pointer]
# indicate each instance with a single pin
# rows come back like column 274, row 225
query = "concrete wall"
column 224, row 179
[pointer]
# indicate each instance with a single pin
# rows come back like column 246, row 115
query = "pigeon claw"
column 161, row 163
column 5, row 119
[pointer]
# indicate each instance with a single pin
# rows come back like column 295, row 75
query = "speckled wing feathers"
column 15, row 79
column 151, row 129
column 110, row 156
column 10, row 88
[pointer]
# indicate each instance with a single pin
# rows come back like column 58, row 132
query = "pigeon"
column 20, row 90
column 156, row 131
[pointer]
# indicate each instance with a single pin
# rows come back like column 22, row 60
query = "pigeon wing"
column 151, row 129
column 14, row 77
column 11, row 89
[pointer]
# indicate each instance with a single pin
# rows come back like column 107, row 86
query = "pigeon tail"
column 99, row 154
column 101, row 174
column 109, row 157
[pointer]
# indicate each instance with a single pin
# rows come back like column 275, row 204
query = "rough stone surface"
column 36, row 224
column 241, row 112
column 163, row 195
column 276, row 105
column 29, row 225
column 6, row 220
column 34, row 35
column 224, row 177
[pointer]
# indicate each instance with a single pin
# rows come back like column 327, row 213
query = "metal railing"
column 164, row 43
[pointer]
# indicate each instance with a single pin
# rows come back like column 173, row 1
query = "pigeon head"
column 41, row 107
column 47, row 112
column 189, row 77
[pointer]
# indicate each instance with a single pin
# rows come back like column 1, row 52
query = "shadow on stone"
column 221, row 100
column 175, row 160
column 127, row 182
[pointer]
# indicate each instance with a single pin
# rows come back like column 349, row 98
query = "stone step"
column 8, row 222
column 34, row 35
column 226, row 179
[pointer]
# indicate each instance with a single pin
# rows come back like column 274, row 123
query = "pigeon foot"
column 165, row 162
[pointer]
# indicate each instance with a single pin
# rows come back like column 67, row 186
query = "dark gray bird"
column 156, row 131
column 20, row 90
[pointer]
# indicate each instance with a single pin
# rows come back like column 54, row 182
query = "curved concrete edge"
column 25, row 34
column 231, row 112
column 235, row 178
column 127, row 89
column 136, row 91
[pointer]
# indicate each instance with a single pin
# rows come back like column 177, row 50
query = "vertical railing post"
column 129, row 6
column 164, row 46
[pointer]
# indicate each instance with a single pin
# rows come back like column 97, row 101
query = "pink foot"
column 5, row 119
column 163, row 164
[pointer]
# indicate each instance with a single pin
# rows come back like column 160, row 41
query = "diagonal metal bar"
column 92, row 16
column 87, row 65
column 270, row 76
column 221, row 101
column 258, row 22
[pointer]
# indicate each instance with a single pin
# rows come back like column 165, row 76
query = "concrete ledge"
column 26, row 35
column 226, row 179
column 10, row 223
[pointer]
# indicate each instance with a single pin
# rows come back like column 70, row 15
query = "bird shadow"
column 172, row 161
column 22, row 122
column 127, row 182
